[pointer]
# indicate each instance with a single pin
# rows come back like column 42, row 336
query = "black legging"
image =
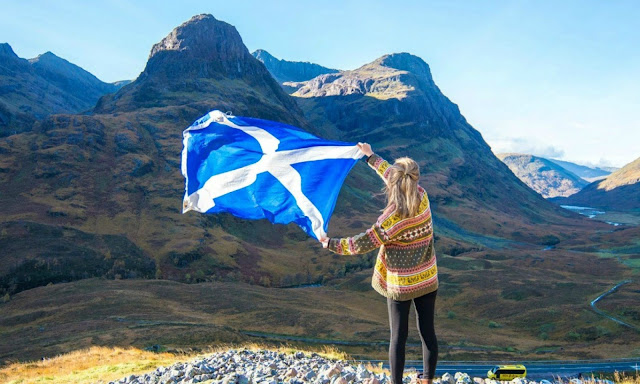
column 399, row 324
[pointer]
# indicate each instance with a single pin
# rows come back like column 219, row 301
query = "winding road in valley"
column 600, row 312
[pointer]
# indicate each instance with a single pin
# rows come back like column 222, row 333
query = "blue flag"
column 260, row 169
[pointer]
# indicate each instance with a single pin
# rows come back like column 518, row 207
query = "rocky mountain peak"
column 406, row 62
column 6, row 50
column 203, row 64
column 47, row 56
column 203, row 39
column 263, row 55
column 390, row 76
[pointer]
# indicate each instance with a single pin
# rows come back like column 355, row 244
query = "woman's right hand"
column 365, row 148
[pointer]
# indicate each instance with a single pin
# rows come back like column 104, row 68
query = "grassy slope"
column 486, row 300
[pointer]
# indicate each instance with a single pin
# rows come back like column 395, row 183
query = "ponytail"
column 402, row 187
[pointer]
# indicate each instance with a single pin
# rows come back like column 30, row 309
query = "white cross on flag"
column 258, row 169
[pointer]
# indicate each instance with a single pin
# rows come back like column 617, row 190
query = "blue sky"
column 553, row 78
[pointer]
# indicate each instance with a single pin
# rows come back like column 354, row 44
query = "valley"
column 96, row 251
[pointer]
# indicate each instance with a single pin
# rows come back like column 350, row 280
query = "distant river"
column 587, row 211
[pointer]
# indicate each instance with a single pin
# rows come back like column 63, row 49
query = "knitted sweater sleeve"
column 362, row 243
column 380, row 165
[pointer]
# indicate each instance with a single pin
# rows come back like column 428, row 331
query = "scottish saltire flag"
column 258, row 169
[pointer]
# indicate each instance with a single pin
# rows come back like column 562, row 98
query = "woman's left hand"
column 365, row 148
column 325, row 242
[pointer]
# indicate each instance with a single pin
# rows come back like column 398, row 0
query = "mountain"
column 394, row 103
column 72, row 79
column 108, row 185
column 542, row 175
column 201, row 64
column 587, row 173
column 99, row 194
column 620, row 191
column 290, row 71
column 36, row 88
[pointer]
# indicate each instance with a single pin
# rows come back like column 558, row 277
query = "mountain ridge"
column 543, row 175
column 290, row 71
column 587, row 173
column 42, row 86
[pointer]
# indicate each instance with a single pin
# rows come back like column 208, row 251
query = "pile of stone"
column 260, row 367
column 270, row 367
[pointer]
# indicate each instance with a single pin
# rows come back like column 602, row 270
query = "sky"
column 559, row 79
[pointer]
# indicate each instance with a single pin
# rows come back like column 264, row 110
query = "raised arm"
column 362, row 243
column 380, row 165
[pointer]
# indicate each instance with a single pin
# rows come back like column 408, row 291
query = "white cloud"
column 525, row 145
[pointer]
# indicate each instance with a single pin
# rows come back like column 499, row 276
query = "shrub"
column 550, row 240
column 573, row 336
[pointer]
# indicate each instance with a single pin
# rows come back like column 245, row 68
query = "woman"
column 405, row 269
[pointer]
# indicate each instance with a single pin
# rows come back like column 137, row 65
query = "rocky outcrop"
column 391, row 76
column 542, row 175
column 290, row 71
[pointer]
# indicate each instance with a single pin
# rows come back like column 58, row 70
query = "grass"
column 92, row 365
column 626, row 379
column 105, row 364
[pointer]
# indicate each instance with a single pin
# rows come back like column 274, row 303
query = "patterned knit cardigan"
column 406, row 264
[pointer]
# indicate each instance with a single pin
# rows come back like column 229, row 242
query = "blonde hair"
column 402, row 187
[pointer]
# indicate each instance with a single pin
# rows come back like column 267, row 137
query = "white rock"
column 340, row 380
column 447, row 378
column 349, row 377
column 462, row 378
column 334, row 370
column 363, row 374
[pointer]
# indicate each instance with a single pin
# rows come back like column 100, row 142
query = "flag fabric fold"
column 257, row 169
